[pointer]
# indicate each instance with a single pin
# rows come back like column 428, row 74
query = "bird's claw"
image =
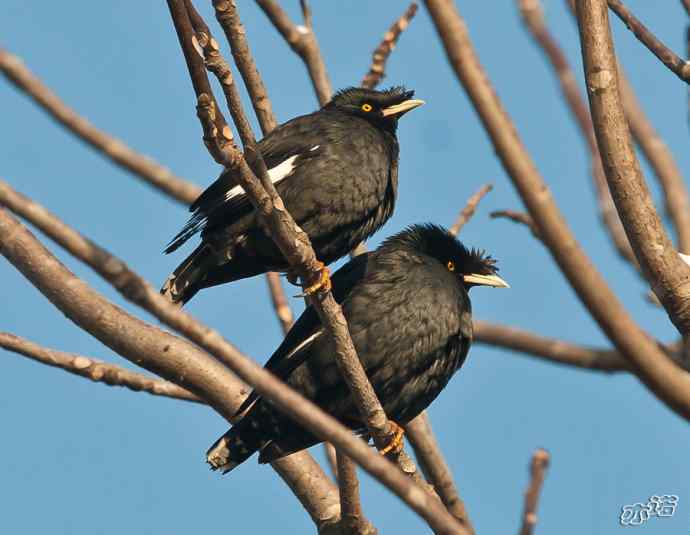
column 323, row 284
column 397, row 442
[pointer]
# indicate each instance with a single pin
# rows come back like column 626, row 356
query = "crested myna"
column 337, row 172
column 410, row 317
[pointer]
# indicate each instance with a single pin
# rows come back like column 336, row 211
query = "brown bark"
column 434, row 466
column 667, row 274
column 668, row 57
column 538, row 466
column 303, row 42
column 659, row 373
column 94, row 369
column 145, row 168
column 470, row 207
column 377, row 70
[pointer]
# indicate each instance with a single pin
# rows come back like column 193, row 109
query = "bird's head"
column 381, row 108
column 473, row 267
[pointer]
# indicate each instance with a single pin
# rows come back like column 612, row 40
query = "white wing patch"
column 304, row 343
column 276, row 174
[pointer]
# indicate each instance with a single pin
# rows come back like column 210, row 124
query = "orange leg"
column 397, row 441
column 322, row 284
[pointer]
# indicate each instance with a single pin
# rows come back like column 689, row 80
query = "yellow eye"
column 450, row 265
column 367, row 107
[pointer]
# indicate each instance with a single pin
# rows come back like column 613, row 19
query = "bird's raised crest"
column 436, row 241
column 353, row 96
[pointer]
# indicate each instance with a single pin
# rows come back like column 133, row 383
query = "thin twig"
column 74, row 298
column 668, row 57
column 142, row 166
column 377, row 70
column 658, row 372
column 517, row 217
column 435, row 468
column 96, row 370
column 352, row 519
column 303, row 42
column 217, row 135
column 329, row 452
column 468, row 210
column 538, row 466
column 279, row 300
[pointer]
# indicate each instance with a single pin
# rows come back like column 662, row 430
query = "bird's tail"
column 206, row 267
column 235, row 447
column 189, row 276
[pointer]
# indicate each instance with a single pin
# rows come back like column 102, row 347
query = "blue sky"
column 78, row 457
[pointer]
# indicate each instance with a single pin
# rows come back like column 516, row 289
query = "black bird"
column 336, row 170
column 410, row 318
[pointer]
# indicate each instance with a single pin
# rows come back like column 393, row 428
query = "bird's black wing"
column 307, row 329
column 284, row 150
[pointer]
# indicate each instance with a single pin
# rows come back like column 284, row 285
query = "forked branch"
column 657, row 371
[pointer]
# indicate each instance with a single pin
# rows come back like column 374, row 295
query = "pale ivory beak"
column 485, row 280
column 403, row 107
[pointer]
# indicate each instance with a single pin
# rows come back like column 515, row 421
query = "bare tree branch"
column 435, row 468
column 353, row 520
column 161, row 353
column 675, row 63
column 139, row 292
column 94, row 369
column 517, row 217
column 157, row 175
column 80, row 303
column 533, row 17
column 377, row 70
column 667, row 274
column 215, row 63
column 279, row 300
column 229, row 19
column 468, row 210
column 141, row 166
column 302, row 40
column 661, row 161
column 288, row 234
column 551, row 349
column 538, row 467
column 658, row 155
column 331, row 457
column 294, row 243
column 657, row 371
